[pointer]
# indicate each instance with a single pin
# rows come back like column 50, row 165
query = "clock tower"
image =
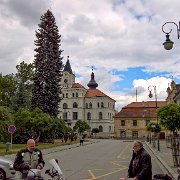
column 68, row 78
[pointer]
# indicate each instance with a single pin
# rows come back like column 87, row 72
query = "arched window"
column 73, row 95
column 66, row 95
column 100, row 129
column 102, row 104
column 90, row 105
column 100, row 115
column 98, row 104
column 88, row 116
column 65, row 106
column 75, row 105
column 76, row 94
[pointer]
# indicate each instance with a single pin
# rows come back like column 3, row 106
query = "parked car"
column 6, row 169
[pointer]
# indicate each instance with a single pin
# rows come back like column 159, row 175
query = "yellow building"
column 132, row 120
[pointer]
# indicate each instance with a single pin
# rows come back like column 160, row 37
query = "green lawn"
column 17, row 147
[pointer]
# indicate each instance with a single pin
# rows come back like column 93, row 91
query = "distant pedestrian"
column 140, row 167
column 81, row 139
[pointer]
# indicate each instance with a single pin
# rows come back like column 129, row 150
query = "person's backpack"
column 162, row 177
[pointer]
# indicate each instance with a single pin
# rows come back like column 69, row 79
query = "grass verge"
column 16, row 147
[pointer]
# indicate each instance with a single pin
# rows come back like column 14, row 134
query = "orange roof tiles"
column 95, row 93
column 140, row 109
column 77, row 85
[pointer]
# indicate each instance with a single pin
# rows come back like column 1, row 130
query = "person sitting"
column 28, row 158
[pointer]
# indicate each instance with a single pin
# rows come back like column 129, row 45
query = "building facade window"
column 65, row 106
column 147, row 121
column 65, row 116
column 75, row 115
column 134, row 122
column 123, row 123
column 76, row 94
column 72, row 94
column 88, row 116
column 75, row 105
column 98, row 104
column 86, row 105
column 100, row 128
column 102, row 104
column 100, row 115
column 66, row 95
column 134, row 134
column 90, row 105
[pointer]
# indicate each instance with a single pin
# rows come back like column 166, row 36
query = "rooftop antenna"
column 136, row 94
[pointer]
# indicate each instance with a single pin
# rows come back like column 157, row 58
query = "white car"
column 6, row 169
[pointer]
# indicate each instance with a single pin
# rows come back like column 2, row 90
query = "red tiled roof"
column 95, row 93
column 77, row 85
column 146, row 104
column 140, row 109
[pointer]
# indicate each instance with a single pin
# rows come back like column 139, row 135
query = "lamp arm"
column 171, row 29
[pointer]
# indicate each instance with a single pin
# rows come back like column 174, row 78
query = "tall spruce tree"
column 48, row 66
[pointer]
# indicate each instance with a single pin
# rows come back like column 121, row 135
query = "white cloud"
column 107, row 34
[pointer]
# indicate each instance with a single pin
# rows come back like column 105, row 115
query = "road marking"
column 98, row 177
column 91, row 174
column 119, row 156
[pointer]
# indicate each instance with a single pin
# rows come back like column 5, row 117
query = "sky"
column 121, row 39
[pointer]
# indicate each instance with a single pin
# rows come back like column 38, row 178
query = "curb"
column 164, row 164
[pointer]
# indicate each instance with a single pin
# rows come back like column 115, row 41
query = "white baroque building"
column 90, row 105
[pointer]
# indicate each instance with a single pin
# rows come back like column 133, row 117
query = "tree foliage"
column 170, row 117
column 37, row 124
column 153, row 127
column 6, row 119
column 7, row 89
column 48, row 66
column 81, row 126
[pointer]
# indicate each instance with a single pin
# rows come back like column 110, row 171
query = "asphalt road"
column 104, row 160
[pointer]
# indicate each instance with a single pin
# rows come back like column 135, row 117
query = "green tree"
column 170, row 119
column 153, row 127
column 81, row 126
column 22, row 96
column 48, row 66
column 58, row 128
column 7, row 89
column 5, row 120
column 35, row 124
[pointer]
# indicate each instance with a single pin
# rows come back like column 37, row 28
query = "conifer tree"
column 48, row 66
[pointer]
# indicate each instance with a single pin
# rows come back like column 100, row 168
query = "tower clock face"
column 65, row 80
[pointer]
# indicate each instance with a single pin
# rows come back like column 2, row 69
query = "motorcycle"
column 55, row 172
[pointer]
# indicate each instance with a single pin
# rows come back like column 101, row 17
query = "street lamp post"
column 151, row 88
column 168, row 44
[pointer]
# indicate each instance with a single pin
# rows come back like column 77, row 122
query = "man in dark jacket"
column 140, row 167
column 28, row 158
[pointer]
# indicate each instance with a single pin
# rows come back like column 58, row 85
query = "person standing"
column 140, row 167
column 28, row 158
column 81, row 139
